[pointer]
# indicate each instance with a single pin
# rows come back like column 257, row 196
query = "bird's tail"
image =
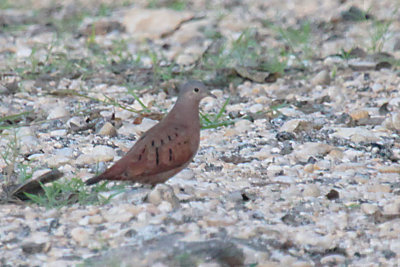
column 112, row 174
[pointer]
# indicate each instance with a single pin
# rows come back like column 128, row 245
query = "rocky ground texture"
column 299, row 163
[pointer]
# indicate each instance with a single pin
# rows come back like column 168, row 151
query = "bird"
column 166, row 148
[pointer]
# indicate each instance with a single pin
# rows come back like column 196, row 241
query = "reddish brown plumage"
column 167, row 147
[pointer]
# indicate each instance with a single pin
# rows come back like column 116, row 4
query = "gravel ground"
column 301, row 168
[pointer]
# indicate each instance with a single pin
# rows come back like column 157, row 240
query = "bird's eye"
column 196, row 90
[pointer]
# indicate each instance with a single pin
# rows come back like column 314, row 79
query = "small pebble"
column 163, row 192
column 383, row 188
column 311, row 190
column 242, row 126
column 98, row 154
column 108, row 130
column 256, row 108
column 322, row 78
column 369, row 209
column 80, row 235
column 359, row 114
column 58, row 112
column 333, row 259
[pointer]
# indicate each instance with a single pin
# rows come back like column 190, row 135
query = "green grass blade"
column 14, row 116
column 140, row 101
column 217, row 124
column 222, row 110
column 204, row 117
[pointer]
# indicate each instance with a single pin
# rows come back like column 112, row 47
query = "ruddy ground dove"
column 166, row 148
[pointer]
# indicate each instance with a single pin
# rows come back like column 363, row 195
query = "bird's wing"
column 161, row 150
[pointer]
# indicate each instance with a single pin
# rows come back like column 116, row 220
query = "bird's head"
column 194, row 91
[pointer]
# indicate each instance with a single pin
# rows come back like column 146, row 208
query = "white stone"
column 56, row 161
column 296, row 125
column 144, row 216
column 284, row 179
column 291, row 112
column 65, row 152
column 322, row 78
column 163, row 192
column 60, row 132
column 38, row 237
column 35, row 157
column 369, row 209
column 256, row 108
column 333, row 259
column 311, row 190
column 76, row 122
column 153, row 23
column 264, row 153
column 26, row 139
column 308, row 237
column 129, row 128
column 358, row 134
column 84, row 221
column 99, row 153
column 58, row 112
column 40, row 172
column 165, row 206
column 242, row 126
column 185, row 174
column 209, row 264
column 23, row 52
column 80, row 235
column 108, row 130
column 96, row 219
column 305, row 151
column 356, row 64
column 377, row 87
column 396, row 121
column 117, row 215
column 392, row 208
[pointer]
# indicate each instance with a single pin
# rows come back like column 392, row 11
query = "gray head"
column 194, row 91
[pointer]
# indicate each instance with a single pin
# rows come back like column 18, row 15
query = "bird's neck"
column 186, row 113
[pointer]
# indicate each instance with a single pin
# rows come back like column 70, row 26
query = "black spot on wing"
column 170, row 154
column 152, row 142
column 169, row 138
column 157, row 156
